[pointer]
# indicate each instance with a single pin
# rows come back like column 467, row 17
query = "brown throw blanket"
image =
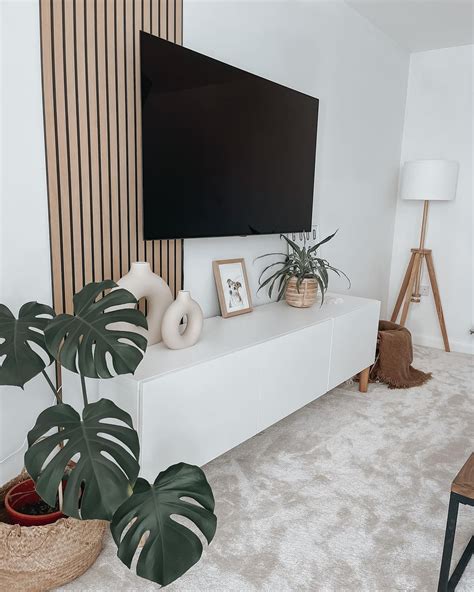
column 394, row 358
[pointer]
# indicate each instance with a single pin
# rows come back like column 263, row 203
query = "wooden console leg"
column 364, row 380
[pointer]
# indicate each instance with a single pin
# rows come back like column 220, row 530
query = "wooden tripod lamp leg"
column 437, row 299
column 403, row 289
column 409, row 292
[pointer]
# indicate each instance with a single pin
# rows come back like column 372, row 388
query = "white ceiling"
column 420, row 25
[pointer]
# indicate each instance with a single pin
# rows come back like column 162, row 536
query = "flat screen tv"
column 225, row 152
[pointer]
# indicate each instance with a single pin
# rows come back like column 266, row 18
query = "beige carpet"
column 348, row 494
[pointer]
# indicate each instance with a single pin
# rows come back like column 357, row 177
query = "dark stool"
column 462, row 492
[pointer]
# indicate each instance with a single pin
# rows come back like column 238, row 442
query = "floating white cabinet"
column 245, row 374
column 354, row 339
column 196, row 414
column 295, row 371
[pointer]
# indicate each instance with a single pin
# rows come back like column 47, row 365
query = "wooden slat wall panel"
column 92, row 116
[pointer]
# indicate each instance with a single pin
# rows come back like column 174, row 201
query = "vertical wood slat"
column 171, row 22
column 94, row 138
column 101, row 71
column 92, row 120
column 146, row 27
column 121, row 135
column 155, row 17
column 72, row 131
column 138, row 133
column 172, row 37
column 131, row 82
column 112, row 138
column 82, row 149
column 49, row 116
column 164, row 19
column 179, row 23
column 62, row 153
column 179, row 243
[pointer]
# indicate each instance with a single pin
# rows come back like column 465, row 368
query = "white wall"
column 24, row 237
column 438, row 124
column 327, row 50
column 321, row 48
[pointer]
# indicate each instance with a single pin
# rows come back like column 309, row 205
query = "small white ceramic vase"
column 143, row 283
column 171, row 329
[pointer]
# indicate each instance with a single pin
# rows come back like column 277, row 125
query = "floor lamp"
column 428, row 180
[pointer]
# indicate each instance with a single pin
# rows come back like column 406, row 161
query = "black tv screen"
column 225, row 152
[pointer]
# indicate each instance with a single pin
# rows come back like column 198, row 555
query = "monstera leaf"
column 21, row 362
column 96, row 485
column 81, row 342
column 171, row 548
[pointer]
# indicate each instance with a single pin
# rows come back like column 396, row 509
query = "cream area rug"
column 348, row 494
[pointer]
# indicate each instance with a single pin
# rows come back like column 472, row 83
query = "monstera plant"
column 97, row 449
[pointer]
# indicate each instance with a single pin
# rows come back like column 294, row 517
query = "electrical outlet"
column 302, row 238
column 424, row 290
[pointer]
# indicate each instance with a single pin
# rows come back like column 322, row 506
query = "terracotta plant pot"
column 25, row 493
column 305, row 296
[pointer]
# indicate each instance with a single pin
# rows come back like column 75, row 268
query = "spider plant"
column 300, row 263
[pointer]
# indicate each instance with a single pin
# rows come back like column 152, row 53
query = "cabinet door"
column 199, row 413
column 354, row 341
column 295, row 370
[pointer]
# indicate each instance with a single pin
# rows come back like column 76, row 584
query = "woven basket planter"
column 38, row 558
column 305, row 296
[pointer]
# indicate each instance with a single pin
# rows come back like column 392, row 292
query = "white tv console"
column 245, row 374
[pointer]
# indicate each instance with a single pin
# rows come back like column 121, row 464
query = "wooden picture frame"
column 232, row 287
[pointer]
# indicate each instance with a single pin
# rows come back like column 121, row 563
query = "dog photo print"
column 232, row 287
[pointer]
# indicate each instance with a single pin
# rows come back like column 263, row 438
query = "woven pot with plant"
column 85, row 465
column 299, row 274
column 37, row 558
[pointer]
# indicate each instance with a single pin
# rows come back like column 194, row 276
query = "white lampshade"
column 429, row 179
